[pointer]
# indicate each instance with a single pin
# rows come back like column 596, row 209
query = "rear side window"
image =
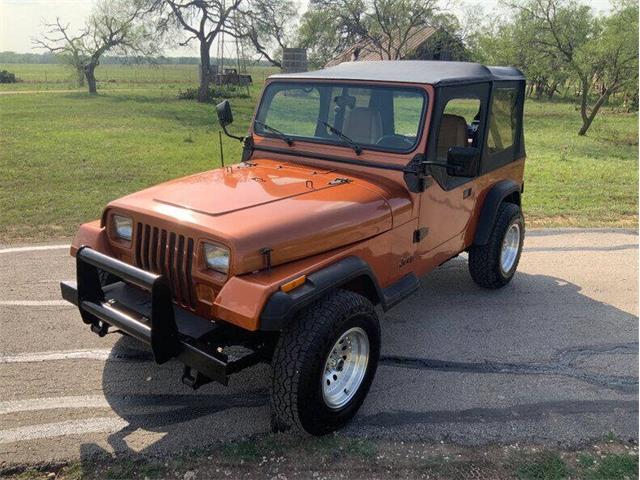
column 502, row 120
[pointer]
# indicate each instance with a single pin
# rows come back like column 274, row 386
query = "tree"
column 318, row 35
column 113, row 26
column 600, row 52
column 262, row 23
column 387, row 25
column 203, row 21
column 67, row 47
column 610, row 60
column 266, row 24
column 330, row 26
column 513, row 42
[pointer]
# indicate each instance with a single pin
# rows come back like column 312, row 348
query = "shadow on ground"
column 151, row 398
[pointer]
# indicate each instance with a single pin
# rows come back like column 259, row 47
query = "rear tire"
column 493, row 265
column 320, row 375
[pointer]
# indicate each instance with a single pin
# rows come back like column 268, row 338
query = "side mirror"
column 225, row 115
column 463, row 161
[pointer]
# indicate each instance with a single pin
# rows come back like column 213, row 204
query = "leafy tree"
column 113, row 26
column 330, row 26
column 513, row 41
column 609, row 61
column 318, row 33
column 598, row 52
column 266, row 25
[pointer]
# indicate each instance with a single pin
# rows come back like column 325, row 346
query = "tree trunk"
column 539, row 91
column 90, row 73
column 529, row 89
column 205, row 72
column 80, row 75
column 586, row 122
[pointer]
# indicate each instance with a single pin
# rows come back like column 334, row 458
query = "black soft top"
column 411, row 71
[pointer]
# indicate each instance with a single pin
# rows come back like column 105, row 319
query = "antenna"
column 221, row 149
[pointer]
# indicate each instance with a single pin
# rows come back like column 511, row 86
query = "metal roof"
column 433, row 72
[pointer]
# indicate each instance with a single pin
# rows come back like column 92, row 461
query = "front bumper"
column 140, row 305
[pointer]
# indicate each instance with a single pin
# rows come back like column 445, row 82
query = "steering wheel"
column 394, row 141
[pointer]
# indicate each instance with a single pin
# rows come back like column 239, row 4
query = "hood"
column 294, row 210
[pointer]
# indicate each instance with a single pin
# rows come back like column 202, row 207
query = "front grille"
column 167, row 253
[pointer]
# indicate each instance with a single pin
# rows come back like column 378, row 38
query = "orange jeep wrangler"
column 354, row 182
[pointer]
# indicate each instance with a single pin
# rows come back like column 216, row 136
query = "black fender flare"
column 499, row 192
column 281, row 307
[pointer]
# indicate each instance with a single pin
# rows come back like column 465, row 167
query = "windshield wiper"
column 356, row 148
column 282, row 136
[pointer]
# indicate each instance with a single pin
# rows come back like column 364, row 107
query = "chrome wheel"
column 345, row 368
column 510, row 247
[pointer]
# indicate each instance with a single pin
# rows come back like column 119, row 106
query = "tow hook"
column 100, row 328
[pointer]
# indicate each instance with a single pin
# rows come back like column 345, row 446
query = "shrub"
column 228, row 91
column 7, row 77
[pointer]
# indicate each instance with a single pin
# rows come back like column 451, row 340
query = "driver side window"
column 458, row 126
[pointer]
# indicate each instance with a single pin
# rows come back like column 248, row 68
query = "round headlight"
column 216, row 258
column 123, row 227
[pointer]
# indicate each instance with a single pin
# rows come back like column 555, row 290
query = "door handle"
column 466, row 193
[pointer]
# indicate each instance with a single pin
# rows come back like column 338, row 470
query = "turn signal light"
column 295, row 283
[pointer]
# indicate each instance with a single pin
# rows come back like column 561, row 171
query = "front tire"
column 324, row 363
column 493, row 265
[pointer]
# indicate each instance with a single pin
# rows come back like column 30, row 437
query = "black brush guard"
column 141, row 306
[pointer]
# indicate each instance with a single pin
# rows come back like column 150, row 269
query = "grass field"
column 60, row 77
column 63, row 156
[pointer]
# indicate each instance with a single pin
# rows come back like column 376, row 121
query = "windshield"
column 356, row 116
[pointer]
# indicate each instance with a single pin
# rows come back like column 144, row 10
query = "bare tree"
column 67, row 47
column 262, row 23
column 113, row 26
column 203, row 21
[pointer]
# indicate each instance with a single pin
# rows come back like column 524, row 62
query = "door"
column 448, row 203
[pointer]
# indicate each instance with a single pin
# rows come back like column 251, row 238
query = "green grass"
column 545, row 466
column 550, row 465
column 580, row 181
column 609, row 467
column 63, row 156
column 110, row 77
